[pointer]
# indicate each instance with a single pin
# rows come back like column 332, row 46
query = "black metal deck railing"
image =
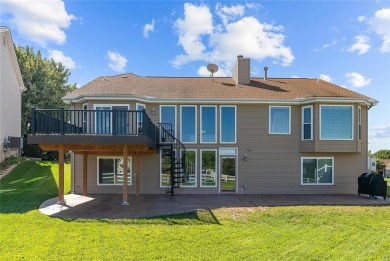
column 92, row 122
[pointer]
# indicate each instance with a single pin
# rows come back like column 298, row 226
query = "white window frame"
column 360, row 123
column 175, row 130
column 196, row 169
column 311, row 122
column 317, row 184
column 216, row 168
column 334, row 105
column 215, row 122
column 196, row 125
column 136, row 108
column 160, row 156
column 107, row 105
column 130, row 182
column 220, row 124
column 289, row 120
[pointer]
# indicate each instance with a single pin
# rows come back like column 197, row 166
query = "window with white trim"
column 307, row 122
column 168, row 115
column 208, row 168
column 228, row 124
column 188, row 124
column 190, row 168
column 279, row 119
column 110, row 170
column 336, row 122
column 317, row 170
column 140, row 107
column 165, row 168
column 208, row 124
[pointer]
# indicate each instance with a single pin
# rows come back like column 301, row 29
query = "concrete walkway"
column 109, row 205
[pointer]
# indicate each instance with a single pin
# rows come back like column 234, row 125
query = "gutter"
column 296, row 101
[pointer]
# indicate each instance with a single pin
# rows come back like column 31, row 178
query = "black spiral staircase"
column 170, row 146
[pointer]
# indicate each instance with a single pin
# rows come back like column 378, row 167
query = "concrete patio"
column 98, row 206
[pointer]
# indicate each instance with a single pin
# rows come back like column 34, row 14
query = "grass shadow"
column 200, row 217
column 27, row 186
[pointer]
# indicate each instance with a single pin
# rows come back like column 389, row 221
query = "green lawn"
column 277, row 233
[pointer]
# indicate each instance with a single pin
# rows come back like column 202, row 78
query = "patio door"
column 228, row 174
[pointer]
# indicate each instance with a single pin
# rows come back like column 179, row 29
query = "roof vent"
column 124, row 76
column 265, row 73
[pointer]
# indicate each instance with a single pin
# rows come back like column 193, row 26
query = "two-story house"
column 217, row 135
column 11, row 88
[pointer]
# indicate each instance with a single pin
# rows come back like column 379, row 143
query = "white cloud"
column 197, row 22
column 59, row 57
column 221, row 43
column 326, row 45
column 357, row 80
column 117, row 62
column 253, row 5
column 361, row 46
column 148, row 28
column 380, row 131
column 229, row 13
column 326, row 77
column 380, row 24
column 40, row 22
column 361, row 19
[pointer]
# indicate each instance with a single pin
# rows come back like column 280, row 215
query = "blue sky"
column 345, row 42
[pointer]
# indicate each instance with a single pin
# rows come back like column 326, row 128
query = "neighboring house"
column 238, row 135
column 387, row 167
column 11, row 88
column 371, row 164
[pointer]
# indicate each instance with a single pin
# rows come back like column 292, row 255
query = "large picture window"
column 336, row 122
column 307, row 123
column 279, row 119
column 168, row 115
column 110, row 171
column 165, row 168
column 190, row 166
column 228, row 124
column 317, row 171
column 208, row 124
column 208, row 168
column 188, row 124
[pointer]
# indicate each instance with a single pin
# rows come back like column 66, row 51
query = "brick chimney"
column 241, row 70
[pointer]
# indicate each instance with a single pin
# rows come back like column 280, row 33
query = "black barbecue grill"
column 373, row 185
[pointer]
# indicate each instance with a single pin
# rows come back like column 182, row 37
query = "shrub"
column 11, row 161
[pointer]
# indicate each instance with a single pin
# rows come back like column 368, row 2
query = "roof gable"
column 5, row 31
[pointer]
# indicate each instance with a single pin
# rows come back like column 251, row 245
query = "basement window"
column 110, row 171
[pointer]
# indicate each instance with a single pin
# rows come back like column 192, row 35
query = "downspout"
column 72, row 169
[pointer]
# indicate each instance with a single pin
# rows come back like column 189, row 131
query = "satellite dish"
column 213, row 68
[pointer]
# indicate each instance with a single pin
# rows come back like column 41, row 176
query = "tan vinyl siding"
column 273, row 164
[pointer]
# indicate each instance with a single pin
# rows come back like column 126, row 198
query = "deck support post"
column 137, row 175
column 125, row 158
column 85, row 171
column 61, row 199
